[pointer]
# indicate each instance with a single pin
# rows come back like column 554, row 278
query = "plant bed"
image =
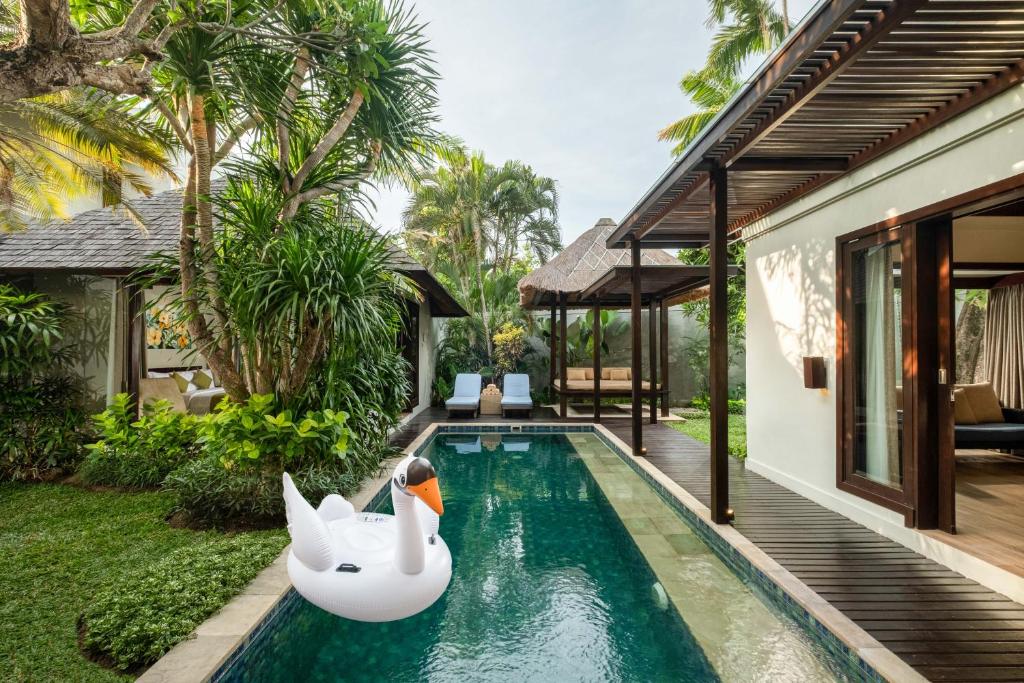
column 60, row 547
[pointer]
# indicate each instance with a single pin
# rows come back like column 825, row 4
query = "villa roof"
column 111, row 242
column 580, row 265
column 855, row 80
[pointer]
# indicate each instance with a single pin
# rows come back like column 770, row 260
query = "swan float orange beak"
column 422, row 483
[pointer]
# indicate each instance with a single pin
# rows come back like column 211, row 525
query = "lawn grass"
column 699, row 427
column 59, row 545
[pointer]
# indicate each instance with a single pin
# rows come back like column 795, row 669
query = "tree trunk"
column 478, row 242
column 970, row 332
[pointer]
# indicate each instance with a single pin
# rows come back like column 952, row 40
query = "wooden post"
column 663, row 348
column 597, row 362
column 637, row 361
column 552, row 341
column 563, row 399
column 719, row 370
column 652, row 344
column 135, row 341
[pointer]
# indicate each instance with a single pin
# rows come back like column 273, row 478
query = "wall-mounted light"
column 814, row 372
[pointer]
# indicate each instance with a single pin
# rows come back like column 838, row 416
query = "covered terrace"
column 854, row 81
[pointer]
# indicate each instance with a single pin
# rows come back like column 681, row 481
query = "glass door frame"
column 847, row 479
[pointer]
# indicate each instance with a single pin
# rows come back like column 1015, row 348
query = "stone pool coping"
column 214, row 642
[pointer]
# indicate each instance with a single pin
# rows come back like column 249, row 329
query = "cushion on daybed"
column 963, row 414
column 984, row 402
column 620, row 374
column 576, row 374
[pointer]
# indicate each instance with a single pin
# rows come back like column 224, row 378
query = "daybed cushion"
column 182, row 381
column 984, row 402
column 990, row 435
column 590, row 373
column 202, row 380
column 963, row 414
column 161, row 388
column 620, row 374
column 576, row 374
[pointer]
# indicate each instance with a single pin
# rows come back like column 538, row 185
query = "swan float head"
column 415, row 476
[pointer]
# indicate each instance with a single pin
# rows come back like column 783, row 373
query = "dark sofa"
column 995, row 435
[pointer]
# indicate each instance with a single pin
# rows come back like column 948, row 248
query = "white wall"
column 791, row 298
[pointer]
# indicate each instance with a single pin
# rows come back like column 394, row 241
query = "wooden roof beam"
column 884, row 22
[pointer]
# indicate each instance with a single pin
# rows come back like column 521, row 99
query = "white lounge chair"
column 517, row 394
column 466, row 397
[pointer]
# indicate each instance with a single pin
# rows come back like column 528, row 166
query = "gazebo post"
column 597, row 361
column 563, row 399
column 652, row 343
column 552, row 338
column 719, row 371
column 663, row 365
column 637, row 361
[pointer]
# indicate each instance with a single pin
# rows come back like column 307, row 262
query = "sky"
column 578, row 89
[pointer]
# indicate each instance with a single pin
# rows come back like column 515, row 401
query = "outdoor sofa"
column 466, row 395
column 614, row 382
column 981, row 422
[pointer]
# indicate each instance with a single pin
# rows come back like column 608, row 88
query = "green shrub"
column 42, row 425
column 254, row 435
column 41, row 415
column 138, row 453
column 212, row 495
column 737, row 406
column 135, row 620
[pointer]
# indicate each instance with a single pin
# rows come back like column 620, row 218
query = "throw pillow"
column 576, row 374
column 620, row 374
column 984, row 402
column 181, row 381
column 202, row 380
column 963, row 414
column 590, row 374
column 606, row 373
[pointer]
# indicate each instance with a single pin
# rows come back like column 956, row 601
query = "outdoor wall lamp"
column 814, row 373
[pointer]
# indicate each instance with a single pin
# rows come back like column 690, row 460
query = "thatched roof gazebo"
column 580, row 265
column 587, row 274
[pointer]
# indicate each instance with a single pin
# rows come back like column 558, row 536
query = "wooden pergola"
column 855, row 80
column 588, row 275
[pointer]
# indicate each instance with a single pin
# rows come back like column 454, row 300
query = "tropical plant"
column 138, row 452
column 476, row 222
column 509, row 348
column 324, row 94
column 259, row 435
column 710, row 90
column 736, row 291
column 74, row 144
column 41, row 414
column 745, row 28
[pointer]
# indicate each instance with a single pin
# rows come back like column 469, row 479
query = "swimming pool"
column 567, row 566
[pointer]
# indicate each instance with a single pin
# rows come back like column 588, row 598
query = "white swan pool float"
column 368, row 566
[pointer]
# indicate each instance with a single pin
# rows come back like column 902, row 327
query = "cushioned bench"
column 580, row 382
column 982, row 423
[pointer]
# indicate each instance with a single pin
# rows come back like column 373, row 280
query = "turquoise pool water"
column 567, row 567
column 547, row 585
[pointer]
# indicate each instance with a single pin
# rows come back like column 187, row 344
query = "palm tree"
column 754, row 27
column 472, row 219
column 527, row 216
column 710, row 91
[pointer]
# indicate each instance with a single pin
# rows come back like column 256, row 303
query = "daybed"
column 981, row 422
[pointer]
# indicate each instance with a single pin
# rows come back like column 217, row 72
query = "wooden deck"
column 946, row 626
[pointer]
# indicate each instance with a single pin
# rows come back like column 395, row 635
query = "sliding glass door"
column 873, row 413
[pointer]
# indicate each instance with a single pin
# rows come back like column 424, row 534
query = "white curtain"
column 880, row 365
column 1004, row 344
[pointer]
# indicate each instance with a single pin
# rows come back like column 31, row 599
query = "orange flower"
column 165, row 319
column 182, row 342
column 153, row 337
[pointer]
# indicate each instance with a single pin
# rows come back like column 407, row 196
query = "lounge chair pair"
column 466, row 396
